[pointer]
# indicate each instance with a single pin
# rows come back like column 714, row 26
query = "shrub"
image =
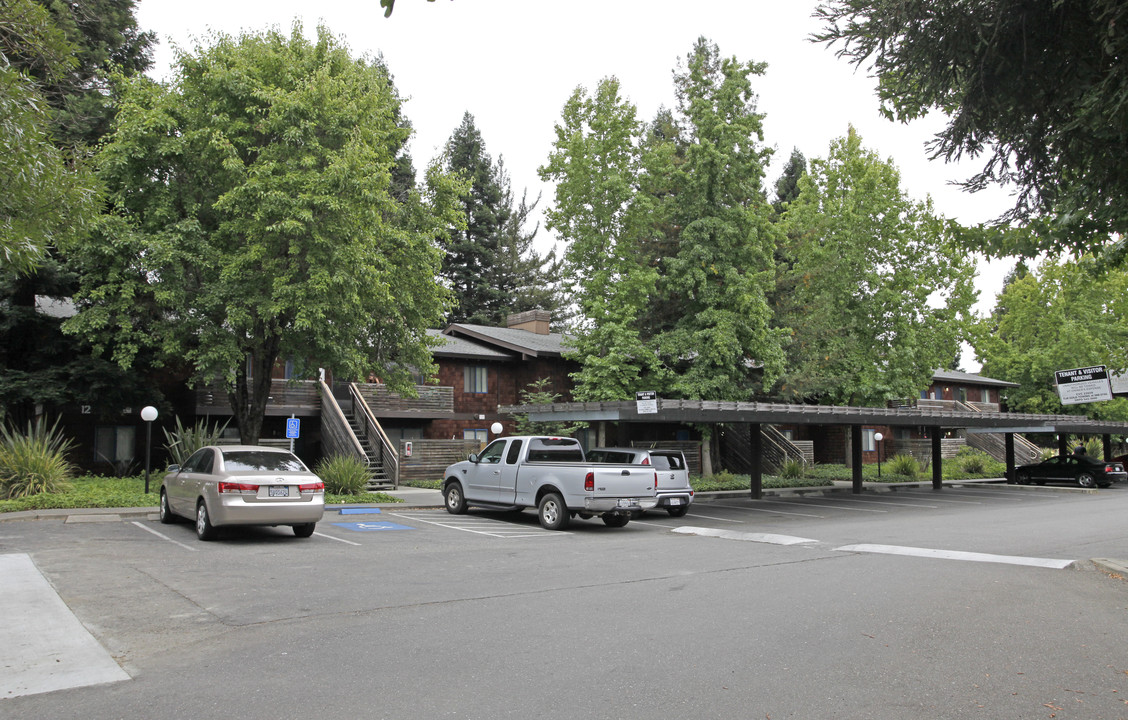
column 343, row 475
column 182, row 442
column 33, row 463
column 905, row 465
column 973, row 462
column 792, row 469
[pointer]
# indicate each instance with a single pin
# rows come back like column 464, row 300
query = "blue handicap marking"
column 293, row 427
column 360, row 511
column 373, row 526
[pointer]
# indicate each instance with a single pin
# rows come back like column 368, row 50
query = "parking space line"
column 773, row 512
column 959, row 502
column 809, row 503
column 708, row 517
column 770, row 538
column 342, row 540
column 473, row 525
column 165, row 537
column 892, row 501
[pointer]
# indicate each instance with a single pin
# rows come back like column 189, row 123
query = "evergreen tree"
column 787, row 186
column 491, row 265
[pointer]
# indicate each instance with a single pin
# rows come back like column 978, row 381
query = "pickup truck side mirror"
column 472, row 457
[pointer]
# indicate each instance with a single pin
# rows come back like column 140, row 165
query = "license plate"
column 675, row 501
column 626, row 502
column 279, row 491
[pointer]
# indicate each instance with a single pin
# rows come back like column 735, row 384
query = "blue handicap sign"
column 292, row 427
column 372, row 526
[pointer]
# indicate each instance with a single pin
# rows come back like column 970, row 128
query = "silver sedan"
column 242, row 485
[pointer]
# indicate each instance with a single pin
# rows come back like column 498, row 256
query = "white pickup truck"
column 552, row 475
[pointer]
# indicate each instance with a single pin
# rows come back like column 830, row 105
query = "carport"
column 755, row 414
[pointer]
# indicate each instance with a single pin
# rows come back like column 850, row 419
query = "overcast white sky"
column 513, row 63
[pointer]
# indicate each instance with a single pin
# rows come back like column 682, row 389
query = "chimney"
column 534, row 321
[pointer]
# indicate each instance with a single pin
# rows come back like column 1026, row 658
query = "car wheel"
column 552, row 512
column 616, row 519
column 679, row 511
column 1022, row 478
column 1086, row 480
column 166, row 516
column 453, row 498
column 305, row 529
column 204, row 529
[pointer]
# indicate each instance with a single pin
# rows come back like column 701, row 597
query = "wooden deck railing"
column 286, row 397
column 433, row 400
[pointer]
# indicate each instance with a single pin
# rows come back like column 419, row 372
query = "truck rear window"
column 555, row 450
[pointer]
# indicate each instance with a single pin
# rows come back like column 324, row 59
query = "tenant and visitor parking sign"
column 1083, row 385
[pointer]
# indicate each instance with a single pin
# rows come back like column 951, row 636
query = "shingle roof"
column 512, row 339
column 971, row 378
column 458, row 347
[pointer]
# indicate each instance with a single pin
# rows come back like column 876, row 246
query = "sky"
column 512, row 64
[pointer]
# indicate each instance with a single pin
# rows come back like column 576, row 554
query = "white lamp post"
column 496, row 428
column 148, row 414
column 878, row 437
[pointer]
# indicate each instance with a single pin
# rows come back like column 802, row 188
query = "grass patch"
column 95, row 491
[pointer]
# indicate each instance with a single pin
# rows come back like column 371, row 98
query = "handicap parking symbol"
column 372, row 526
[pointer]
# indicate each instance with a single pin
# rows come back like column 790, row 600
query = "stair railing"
column 336, row 432
column 389, row 455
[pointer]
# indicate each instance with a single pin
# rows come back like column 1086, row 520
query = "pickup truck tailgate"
column 626, row 482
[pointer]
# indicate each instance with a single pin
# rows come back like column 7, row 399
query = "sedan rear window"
column 667, row 462
column 261, row 461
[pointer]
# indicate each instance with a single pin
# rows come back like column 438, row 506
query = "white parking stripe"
column 773, row 512
column 710, row 517
column 494, row 528
column 813, row 503
column 347, row 542
column 892, row 501
column 957, row 555
column 165, row 537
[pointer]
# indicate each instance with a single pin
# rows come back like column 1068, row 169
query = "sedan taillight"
column 239, row 488
column 311, row 488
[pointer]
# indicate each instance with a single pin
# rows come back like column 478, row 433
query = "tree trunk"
column 250, row 395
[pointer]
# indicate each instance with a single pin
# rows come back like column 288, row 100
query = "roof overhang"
column 706, row 411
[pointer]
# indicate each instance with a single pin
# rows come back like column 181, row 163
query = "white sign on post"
column 646, row 402
column 1083, row 385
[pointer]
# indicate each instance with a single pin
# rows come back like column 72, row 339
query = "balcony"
column 287, row 397
column 434, row 402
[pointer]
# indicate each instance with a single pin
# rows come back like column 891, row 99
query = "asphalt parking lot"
column 130, row 583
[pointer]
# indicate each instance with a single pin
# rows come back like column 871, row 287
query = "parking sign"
column 293, row 425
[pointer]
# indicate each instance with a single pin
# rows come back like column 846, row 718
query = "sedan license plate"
column 279, row 491
column 675, row 501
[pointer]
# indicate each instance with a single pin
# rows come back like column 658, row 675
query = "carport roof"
column 708, row 411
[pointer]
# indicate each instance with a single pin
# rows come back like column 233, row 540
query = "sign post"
column 1083, row 385
column 293, row 430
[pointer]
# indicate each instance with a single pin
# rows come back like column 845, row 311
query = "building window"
column 479, row 435
column 962, row 394
column 986, row 395
column 869, row 444
column 475, row 379
column 114, row 443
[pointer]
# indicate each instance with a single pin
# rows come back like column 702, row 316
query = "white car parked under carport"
column 674, row 491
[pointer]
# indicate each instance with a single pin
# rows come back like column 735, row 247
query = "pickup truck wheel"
column 616, row 519
column 552, row 512
column 453, row 498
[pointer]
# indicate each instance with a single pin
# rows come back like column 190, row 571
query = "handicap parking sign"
column 292, row 427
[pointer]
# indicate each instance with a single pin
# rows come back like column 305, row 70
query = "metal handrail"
column 337, row 424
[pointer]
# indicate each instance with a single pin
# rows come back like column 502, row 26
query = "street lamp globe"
column 148, row 413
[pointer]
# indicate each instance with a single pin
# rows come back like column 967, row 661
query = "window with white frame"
column 114, row 443
column 475, row 379
column 869, row 443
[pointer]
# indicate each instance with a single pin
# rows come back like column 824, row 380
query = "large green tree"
column 719, row 268
column 1060, row 316
column 253, row 218
column 46, row 199
column 878, row 293
column 599, row 214
column 1037, row 87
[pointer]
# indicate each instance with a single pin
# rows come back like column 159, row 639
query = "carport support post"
column 755, row 469
column 1008, row 446
column 937, row 460
column 1106, row 443
column 856, row 456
